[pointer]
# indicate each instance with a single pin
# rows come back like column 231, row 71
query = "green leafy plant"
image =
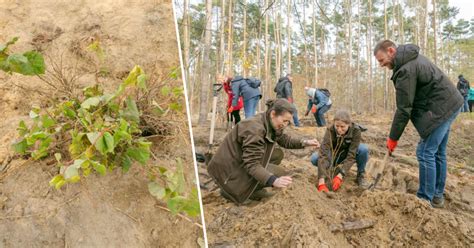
column 97, row 132
column 101, row 131
column 172, row 189
column 27, row 63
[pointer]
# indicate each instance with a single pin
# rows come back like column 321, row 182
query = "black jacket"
column 424, row 94
column 284, row 88
column 463, row 86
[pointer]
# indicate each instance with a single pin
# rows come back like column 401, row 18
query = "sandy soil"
column 299, row 216
column 115, row 210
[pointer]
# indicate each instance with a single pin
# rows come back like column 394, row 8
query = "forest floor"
column 300, row 216
column 115, row 210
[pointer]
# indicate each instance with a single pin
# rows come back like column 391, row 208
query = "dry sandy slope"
column 301, row 217
column 115, row 210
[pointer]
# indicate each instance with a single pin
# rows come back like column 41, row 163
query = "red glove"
column 391, row 144
column 290, row 99
column 314, row 109
column 230, row 109
column 323, row 187
column 336, row 183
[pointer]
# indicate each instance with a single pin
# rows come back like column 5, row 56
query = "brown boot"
column 361, row 180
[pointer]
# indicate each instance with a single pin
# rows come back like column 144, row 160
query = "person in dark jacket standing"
column 284, row 89
column 426, row 96
column 340, row 149
column 250, row 93
column 463, row 87
column 241, row 166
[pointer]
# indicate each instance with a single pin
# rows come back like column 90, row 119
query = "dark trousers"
column 235, row 116
column 470, row 102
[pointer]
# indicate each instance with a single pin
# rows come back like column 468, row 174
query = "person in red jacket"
column 233, row 111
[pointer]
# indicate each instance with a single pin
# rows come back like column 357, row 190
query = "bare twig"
column 181, row 216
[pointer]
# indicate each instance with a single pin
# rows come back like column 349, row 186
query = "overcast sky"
column 466, row 8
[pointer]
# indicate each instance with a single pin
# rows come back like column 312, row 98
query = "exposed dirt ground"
column 115, row 210
column 299, row 216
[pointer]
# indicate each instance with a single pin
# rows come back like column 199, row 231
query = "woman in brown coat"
column 241, row 166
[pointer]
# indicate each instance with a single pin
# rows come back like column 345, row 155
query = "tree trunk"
column 385, row 74
column 220, row 57
column 205, row 79
column 359, row 41
column 266, row 58
column 435, row 47
column 315, row 48
column 369, row 58
column 186, row 42
column 230, row 42
column 245, row 64
column 288, row 36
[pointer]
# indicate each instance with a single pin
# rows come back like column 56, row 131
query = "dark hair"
column 280, row 106
column 383, row 45
column 343, row 115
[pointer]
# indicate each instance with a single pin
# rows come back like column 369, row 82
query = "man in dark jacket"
column 463, row 87
column 284, row 89
column 249, row 92
column 426, row 96
column 241, row 166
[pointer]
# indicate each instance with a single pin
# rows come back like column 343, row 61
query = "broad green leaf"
column 22, row 128
column 55, row 180
column 68, row 112
column 77, row 145
column 20, row 146
column 47, row 122
column 100, row 168
column 92, row 91
column 30, row 140
column 126, row 163
column 90, row 102
column 36, row 62
column 131, row 111
column 140, row 153
column 109, row 142
column 70, row 172
column 156, row 190
column 141, row 81
column 93, row 137
column 104, row 143
column 74, row 179
column 78, row 163
column 59, row 184
column 175, row 204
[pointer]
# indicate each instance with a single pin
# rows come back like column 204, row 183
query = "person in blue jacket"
column 248, row 88
column 318, row 103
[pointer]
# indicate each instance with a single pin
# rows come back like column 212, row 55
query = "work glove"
column 323, row 187
column 391, row 144
column 336, row 183
column 314, row 109
column 290, row 100
column 230, row 109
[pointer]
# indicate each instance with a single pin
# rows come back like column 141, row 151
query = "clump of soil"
column 115, row 210
column 299, row 216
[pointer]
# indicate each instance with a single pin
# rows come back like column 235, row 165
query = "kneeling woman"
column 340, row 149
column 241, row 166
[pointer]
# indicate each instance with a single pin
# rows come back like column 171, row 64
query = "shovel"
column 216, row 88
column 380, row 171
